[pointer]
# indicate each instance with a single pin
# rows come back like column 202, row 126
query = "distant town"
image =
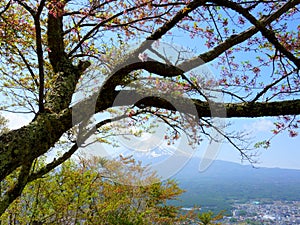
column 265, row 212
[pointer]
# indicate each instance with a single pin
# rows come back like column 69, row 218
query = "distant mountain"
column 225, row 182
column 232, row 171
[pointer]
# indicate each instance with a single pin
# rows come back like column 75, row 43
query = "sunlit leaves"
column 3, row 124
column 86, row 191
column 251, row 66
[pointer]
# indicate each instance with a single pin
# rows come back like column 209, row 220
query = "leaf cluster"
column 85, row 191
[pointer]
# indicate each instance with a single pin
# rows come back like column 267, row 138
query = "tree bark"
column 27, row 143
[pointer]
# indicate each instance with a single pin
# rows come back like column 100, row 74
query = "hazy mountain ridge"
column 230, row 170
column 224, row 182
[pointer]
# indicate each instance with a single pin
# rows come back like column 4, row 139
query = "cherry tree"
column 52, row 49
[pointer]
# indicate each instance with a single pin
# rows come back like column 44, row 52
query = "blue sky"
column 284, row 151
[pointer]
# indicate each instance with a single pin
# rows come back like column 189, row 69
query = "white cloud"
column 261, row 125
column 16, row 120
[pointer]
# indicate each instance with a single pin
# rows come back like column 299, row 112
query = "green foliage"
column 47, row 46
column 207, row 218
column 262, row 144
column 3, row 125
column 85, row 191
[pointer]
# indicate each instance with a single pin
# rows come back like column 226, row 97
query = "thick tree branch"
column 55, row 41
column 205, row 109
column 269, row 34
column 21, row 146
column 234, row 39
column 116, row 79
column 40, row 130
column 40, row 8
column 31, row 141
column 64, row 86
column 177, row 18
column 71, row 151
